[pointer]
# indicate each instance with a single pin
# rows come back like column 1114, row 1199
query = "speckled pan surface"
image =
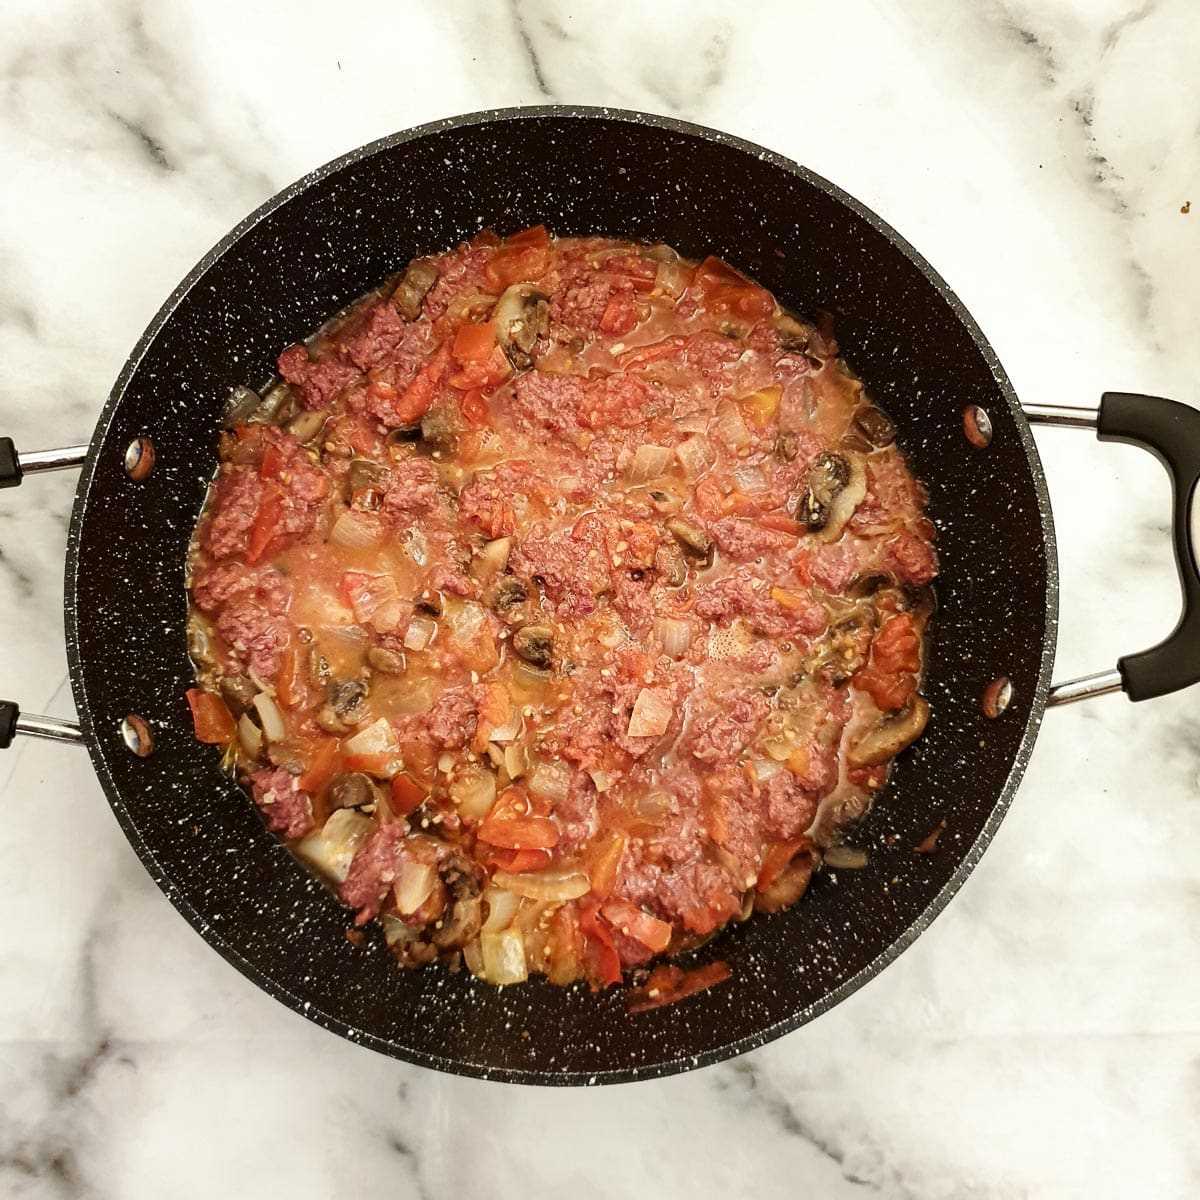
column 326, row 240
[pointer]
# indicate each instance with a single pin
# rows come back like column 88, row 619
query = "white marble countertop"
column 1042, row 1039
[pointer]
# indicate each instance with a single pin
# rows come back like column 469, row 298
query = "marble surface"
column 1042, row 1039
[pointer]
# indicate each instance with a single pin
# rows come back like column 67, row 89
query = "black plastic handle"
column 1171, row 432
column 9, row 712
column 10, row 466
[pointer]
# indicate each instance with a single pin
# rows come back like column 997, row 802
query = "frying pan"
column 340, row 231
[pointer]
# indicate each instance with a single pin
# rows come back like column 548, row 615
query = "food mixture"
column 561, row 603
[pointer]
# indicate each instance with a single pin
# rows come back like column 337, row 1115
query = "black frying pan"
column 337, row 233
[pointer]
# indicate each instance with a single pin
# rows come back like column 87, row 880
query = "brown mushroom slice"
column 351, row 790
column 835, row 486
column 694, row 542
column 413, row 287
column 890, row 736
column 343, row 705
column 787, row 887
column 521, row 316
column 793, row 335
column 463, row 914
column 535, row 644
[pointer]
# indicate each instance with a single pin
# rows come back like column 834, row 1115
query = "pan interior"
column 330, row 238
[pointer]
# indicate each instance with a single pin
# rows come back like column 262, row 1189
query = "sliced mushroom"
column 670, row 565
column 535, row 644
column 343, row 705
column 835, row 486
column 890, row 736
column 793, row 335
column 521, row 316
column 385, row 661
column 431, row 603
column 694, row 542
column 354, row 790
column 463, row 914
column 403, row 434
column 787, row 887
column 363, row 474
column 413, row 287
column 787, row 444
column 439, row 429
column 305, row 426
column 238, row 692
column 509, row 593
column 843, row 650
column 874, row 426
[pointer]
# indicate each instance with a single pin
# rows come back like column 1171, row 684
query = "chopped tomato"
column 475, row 409
column 782, row 523
column 289, row 685
column 521, row 258
column 511, row 824
column 890, row 692
column 407, row 795
column 667, row 984
column 212, row 719
column 654, row 934
column 474, row 342
column 897, row 647
column 728, row 291
column 321, row 770
column 640, row 355
column 419, row 396
column 777, row 857
column 602, row 860
column 268, row 522
column 638, row 271
column 619, row 315
column 601, row 950
column 519, row 861
column 381, row 765
column 272, row 462
column 760, row 408
column 381, row 389
column 495, row 711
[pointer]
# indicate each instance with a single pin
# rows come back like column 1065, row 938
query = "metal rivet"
column 139, row 459
column 997, row 697
column 137, row 735
column 977, row 425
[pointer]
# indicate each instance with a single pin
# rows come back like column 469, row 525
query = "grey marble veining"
column 1043, row 1037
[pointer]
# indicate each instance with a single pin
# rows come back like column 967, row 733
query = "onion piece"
column 674, row 635
column 696, row 422
column 249, row 735
column 270, row 718
column 473, row 957
column 507, row 732
column 651, row 714
column 491, row 560
column 672, row 277
column 563, row 884
column 504, row 956
column 846, row 858
column 730, row 428
column 654, row 805
column 356, row 530
column 750, row 480
column 332, row 848
column 502, row 906
column 649, row 462
column 421, row 631
column 602, row 780
column 550, row 781
column 695, row 455
column 516, row 761
column 767, row 768
column 414, row 885
column 378, row 738
column 418, row 547
column 474, row 793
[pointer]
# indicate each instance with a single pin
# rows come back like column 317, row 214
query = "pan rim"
column 216, row 938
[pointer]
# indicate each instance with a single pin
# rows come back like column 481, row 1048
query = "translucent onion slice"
column 544, row 885
column 651, row 714
column 673, row 635
column 730, row 429
column 550, row 781
column 332, row 848
column 474, row 793
column 502, row 906
column 695, row 455
column 378, row 738
column 414, row 884
column 270, row 718
column 503, row 956
column 356, row 530
column 649, row 462
column 250, row 736
column 420, row 633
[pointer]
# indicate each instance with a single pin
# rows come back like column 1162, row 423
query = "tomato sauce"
column 561, row 604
